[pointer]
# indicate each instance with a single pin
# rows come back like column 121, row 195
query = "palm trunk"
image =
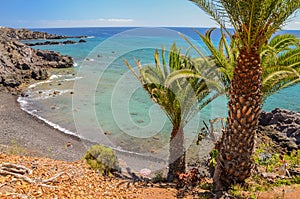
column 176, row 154
column 234, row 161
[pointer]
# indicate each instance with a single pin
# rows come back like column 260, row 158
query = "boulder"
column 69, row 42
column 265, row 118
column 10, row 81
column 40, row 74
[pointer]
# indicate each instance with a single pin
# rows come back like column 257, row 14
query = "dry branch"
column 55, row 177
column 19, row 171
column 15, row 168
column 16, row 175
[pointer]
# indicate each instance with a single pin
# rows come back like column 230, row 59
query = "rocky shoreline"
column 25, row 34
column 20, row 64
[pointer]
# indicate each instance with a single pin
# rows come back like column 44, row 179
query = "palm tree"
column 181, row 90
column 280, row 60
column 254, row 22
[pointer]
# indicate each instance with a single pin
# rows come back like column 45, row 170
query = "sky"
column 106, row 13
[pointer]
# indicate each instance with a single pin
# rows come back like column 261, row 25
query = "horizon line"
column 283, row 29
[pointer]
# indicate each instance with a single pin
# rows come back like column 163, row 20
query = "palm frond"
column 284, row 42
column 131, row 69
column 275, row 72
column 290, row 58
column 213, row 9
column 152, row 75
column 208, row 100
column 201, row 55
column 164, row 62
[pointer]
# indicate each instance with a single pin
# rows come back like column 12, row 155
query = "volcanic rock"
column 282, row 126
column 19, row 63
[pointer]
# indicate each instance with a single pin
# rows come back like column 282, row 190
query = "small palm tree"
column 181, row 90
column 254, row 22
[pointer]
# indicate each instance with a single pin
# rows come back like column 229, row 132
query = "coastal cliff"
column 19, row 63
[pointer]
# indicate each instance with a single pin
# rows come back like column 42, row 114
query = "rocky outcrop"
column 55, row 59
column 20, row 63
column 283, row 126
column 52, row 43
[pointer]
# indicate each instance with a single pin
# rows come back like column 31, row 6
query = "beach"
column 24, row 134
column 31, row 136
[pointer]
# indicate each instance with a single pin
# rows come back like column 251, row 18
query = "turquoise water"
column 100, row 100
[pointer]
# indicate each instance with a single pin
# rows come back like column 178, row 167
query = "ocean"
column 100, row 100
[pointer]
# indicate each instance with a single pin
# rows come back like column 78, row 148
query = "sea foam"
column 39, row 83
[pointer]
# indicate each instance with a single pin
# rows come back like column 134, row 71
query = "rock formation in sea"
column 52, row 43
column 19, row 63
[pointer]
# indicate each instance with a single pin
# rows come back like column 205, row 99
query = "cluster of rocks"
column 54, row 43
column 19, row 63
column 282, row 126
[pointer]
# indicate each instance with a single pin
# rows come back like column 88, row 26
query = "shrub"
column 102, row 159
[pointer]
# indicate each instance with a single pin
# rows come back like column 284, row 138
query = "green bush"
column 102, row 159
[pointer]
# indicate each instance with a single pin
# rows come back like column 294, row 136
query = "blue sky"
column 98, row 13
